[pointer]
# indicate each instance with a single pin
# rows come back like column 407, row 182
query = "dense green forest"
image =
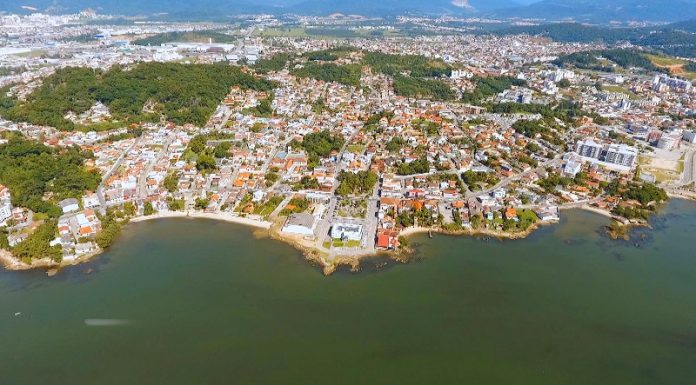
column 566, row 110
column 331, row 54
column 624, row 58
column 418, row 166
column 37, row 245
column 411, row 87
column 274, row 63
column 474, row 179
column 192, row 36
column 676, row 39
column 490, row 86
column 319, row 145
column 33, row 171
column 415, row 65
column 361, row 182
column 329, row 72
column 179, row 92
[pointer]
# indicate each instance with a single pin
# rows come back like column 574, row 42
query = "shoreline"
column 592, row 209
column 308, row 248
column 9, row 262
column 477, row 232
column 202, row 215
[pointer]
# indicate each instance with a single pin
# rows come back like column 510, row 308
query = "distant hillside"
column 678, row 39
column 223, row 8
column 148, row 7
column 391, row 7
column 192, row 37
column 596, row 11
column 604, row 10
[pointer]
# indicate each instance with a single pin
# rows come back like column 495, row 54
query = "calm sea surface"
column 201, row 302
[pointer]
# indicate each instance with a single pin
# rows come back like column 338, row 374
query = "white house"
column 69, row 205
column 5, row 204
column 300, row 224
column 90, row 201
column 346, row 232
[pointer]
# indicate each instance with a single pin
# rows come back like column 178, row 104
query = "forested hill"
column 604, row 11
column 677, row 39
column 192, row 37
column 180, row 93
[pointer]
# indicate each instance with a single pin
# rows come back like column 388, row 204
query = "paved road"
column 689, row 174
column 107, row 175
column 142, row 180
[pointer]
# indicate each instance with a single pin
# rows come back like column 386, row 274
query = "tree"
column 271, row 178
column 404, row 219
column 419, row 166
column 319, row 145
column 176, row 205
column 222, row 150
column 306, row 183
column 490, row 86
column 181, row 93
column 129, row 209
column 37, row 245
column 205, row 162
column 171, row 182
column 111, row 228
column 563, row 83
column 202, row 203
column 148, row 209
column 361, row 182
column 33, row 171
column 329, row 72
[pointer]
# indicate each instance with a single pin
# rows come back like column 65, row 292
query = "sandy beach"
column 595, row 210
column 11, row 263
column 216, row 216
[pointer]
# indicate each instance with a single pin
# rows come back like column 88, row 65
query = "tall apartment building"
column 589, row 149
column 619, row 157
column 621, row 154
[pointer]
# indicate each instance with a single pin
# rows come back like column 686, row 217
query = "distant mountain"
column 394, row 7
column 595, row 11
column 146, row 7
column 232, row 7
column 604, row 10
column 677, row 39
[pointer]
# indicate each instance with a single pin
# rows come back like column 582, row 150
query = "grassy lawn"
column 664, row 61
column 356, row 148
column 33, row 54
column 528, row 214
column 673, row 64
column 353, row 244
column 339, row 243
column 267, row 208
column 680, row 164
column 661, row 175
column 620, row 90
column 643, row 160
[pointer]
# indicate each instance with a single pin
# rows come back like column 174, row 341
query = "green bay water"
column 205, row 302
